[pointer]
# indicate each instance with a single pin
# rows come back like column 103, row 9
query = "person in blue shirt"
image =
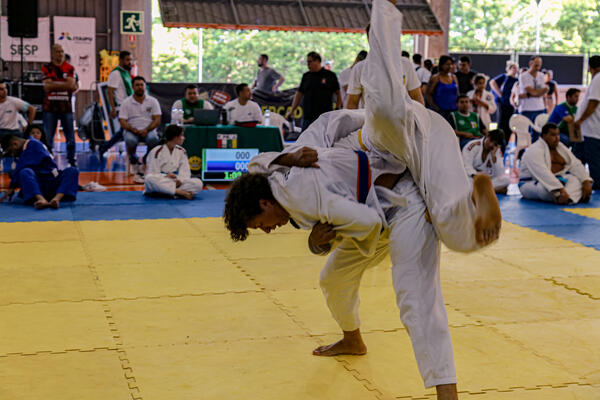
column 502, row 86
column 42, row 184
column 564, row 114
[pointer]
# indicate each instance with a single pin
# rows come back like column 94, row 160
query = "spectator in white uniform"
column 588, row 120
column 243, row 109
column 168, row 169
column 267, row 79
column 550, row 172
column 533, row 88
column 484, row 156
column 139, row 116
column 344, row 77
column 10, row 107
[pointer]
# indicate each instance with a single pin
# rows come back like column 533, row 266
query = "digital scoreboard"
column 225, row 164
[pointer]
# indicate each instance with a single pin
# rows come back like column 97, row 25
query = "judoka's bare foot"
column 447, row 392
column 351, row 344
column 55, row 202
column 489, row 218
column 185, row 194
column 41, row 203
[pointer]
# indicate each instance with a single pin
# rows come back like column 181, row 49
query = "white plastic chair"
column 520, row 125
column 277, row 120
column 541, row 120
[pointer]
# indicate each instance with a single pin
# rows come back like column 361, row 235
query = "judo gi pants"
column 499, row 182
column 415, row 255
column 67, row 183
column 533, row 190
column 159, row 183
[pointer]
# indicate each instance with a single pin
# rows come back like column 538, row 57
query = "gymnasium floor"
column 124, row 297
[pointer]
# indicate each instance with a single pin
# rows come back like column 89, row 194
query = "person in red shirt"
column 59, row 82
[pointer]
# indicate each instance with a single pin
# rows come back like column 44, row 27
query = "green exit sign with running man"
column 132, row 22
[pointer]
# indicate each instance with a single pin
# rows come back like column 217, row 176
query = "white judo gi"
column 390, row 221
column 475, row 164
column 537, row 180
column 161, row 161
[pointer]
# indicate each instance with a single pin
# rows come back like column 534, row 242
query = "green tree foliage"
column 580, row 24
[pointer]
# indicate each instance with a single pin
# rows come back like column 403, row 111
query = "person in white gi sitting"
column 550, row 172
column 168, row 169
column 483, row 156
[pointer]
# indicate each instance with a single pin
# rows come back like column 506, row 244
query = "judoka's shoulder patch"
column 158, row 151
column 472, row 145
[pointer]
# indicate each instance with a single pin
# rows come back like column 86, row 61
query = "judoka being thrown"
column 412, row 157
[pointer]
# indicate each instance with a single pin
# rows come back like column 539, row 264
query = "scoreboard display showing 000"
column 225, row 164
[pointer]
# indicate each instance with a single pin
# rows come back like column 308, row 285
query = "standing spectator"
column 502, row 86
column 532, row 86
column 442, row 91
column 405, row 54
column 551, row 98
column 482, row 101
column 317, row 88
column 139, row 116
column 267, row 79
column 344, row 78
column 466, row 124
column 423, row 73
column 242, row 109
column 119, row 88
column 10, row 107
column 190, row 102
column 563, row 115
column 59, row 82
column 465, row 75
column 588, row 120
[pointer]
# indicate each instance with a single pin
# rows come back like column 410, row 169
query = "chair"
column 541, row 120
column 278, row 121
column 520, row 125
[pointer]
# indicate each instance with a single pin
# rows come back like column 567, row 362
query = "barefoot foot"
column 54, row 203
column 489, row 217
column 185, row 194
column 41, row 204
column 344, row 346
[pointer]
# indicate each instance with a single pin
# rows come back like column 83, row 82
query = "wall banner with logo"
column 78, row 38
column 36, row 49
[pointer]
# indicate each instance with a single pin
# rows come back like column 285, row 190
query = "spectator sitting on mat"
column 10, row 107
column 139, row 115
column 551, row 172
column 484, row 156
column 42, row 184
column 168, row 169
column 191, row 102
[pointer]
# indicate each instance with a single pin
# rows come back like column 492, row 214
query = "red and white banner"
column 78, row 38
column 37, row 49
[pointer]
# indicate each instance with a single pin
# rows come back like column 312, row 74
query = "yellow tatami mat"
column 173, row 309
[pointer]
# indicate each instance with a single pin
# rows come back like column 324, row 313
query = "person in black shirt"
column 317, row 88
column 465, row 75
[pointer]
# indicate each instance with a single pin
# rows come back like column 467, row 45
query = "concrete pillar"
column 438, row 44
column 141, row 48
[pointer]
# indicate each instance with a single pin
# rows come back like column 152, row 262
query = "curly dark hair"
column 242, row 203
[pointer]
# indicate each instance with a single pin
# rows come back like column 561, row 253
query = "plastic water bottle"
column 180, row 116
column 174, row 116
column 267, row 117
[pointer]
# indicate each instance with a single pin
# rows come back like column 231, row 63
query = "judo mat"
column 124, row 297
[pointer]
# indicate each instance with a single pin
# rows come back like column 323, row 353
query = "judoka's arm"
column 319, row 240
column 468, row 161
column 269, row 162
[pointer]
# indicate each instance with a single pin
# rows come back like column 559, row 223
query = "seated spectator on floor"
column 168, row 170
column 10, row 107
column 483, row 156
column 190, row 102
column 550, row 172
column 40, row 181
column 482, row 101
column 563, row 115
column 139, row 116
column 36, row 131
column 466, row 123
column 242, row 109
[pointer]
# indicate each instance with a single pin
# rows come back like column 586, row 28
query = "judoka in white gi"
column 168, row 169
column 484, row 156
column 550, row 172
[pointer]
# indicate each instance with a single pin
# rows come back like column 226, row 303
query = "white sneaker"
column 94, row 187
column 137, row 178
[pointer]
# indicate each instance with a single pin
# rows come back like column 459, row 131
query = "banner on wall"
column 36, row 49
column 78, row 38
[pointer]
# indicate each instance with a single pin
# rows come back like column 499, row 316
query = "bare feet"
column 351, row 344
column 185, row 194
column 40, row 204
column 447, row 392
column 489, row 218
column 55, row 202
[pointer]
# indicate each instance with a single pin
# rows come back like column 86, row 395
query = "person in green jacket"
column 190, row 102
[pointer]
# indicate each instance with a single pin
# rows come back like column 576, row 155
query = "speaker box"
column 23, row 18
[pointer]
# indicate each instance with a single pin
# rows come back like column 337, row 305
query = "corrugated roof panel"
column 322, row 15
